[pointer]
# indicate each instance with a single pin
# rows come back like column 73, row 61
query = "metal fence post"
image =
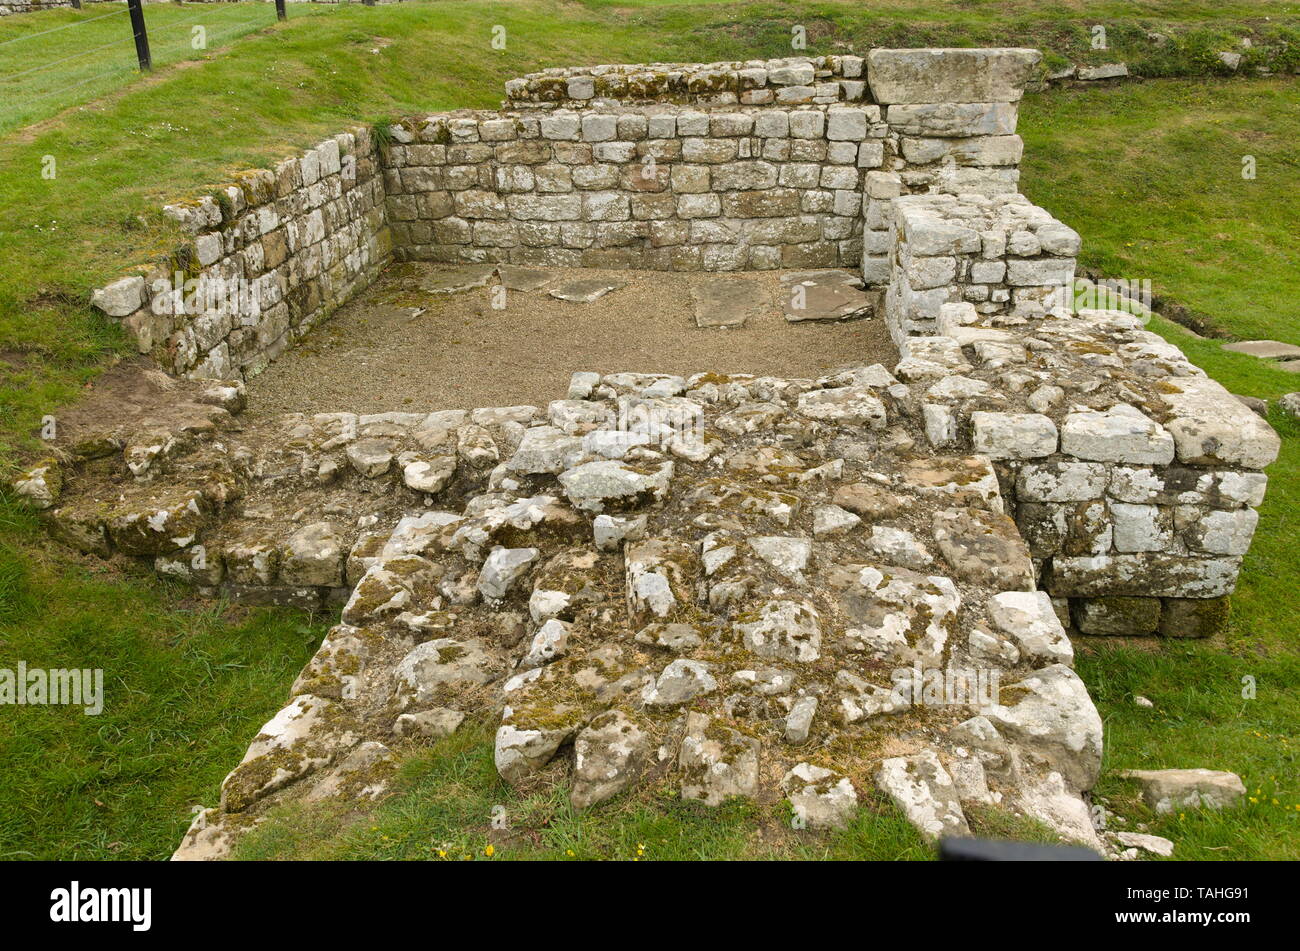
column 280, row 12
column 141, row 35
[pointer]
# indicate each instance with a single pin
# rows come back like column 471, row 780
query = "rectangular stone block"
column 981, row 151
column 949, row 75
column 953, row 119
column 1149, row 574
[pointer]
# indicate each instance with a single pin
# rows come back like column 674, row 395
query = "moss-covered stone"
column 1195, row 617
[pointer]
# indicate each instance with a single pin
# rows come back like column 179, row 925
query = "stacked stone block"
column 758, row 82
column 280, row 249
column 951, row 115
column 1003, row 254
column 664, row 187
column 1132, row 476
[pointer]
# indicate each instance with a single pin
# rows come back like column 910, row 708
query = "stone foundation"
column 1133, row 477
column 703, row 167
column 719, row 581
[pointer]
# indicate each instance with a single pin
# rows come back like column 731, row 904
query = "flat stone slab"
column 587, row 289
column 1264, row 349
column 727, row 301
column 523, row 278
column 453, row 280
column 824, row 295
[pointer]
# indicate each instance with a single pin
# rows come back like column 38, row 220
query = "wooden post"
column 141, row 35
column 280, row 12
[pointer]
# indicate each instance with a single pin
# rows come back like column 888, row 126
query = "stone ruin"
column 795, row 589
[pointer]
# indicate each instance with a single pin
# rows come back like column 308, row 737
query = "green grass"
column 1149, row 174
column 62, row 58
column 186, row 684
column 451, row 805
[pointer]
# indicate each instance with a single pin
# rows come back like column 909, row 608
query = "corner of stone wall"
column 951, row 116
column 1132, row 476
column 267, row 258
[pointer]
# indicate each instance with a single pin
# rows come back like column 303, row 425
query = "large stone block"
column 1211, row 427
column 953, row 119
column 1149, row 574
column 949, row 75
column 982, row 150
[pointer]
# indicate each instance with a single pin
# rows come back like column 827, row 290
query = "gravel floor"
column 398, row 347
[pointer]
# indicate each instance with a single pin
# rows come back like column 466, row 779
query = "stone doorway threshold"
column 427, row 336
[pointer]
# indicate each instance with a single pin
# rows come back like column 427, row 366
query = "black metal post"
column 280, row 12
column 141, row 36
column 76, row 4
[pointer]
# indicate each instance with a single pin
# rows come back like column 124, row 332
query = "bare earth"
column 382, row 353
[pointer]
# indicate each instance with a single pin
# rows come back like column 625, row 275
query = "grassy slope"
column 193, row 684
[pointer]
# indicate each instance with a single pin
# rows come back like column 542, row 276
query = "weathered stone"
column 949, row 75
column 1027, row 617
column 313, row 555
column 716, row 762
column 503, row 569
column 819, row 797
column 1171, row 790
column 609, row 753
column 1194, row 617
column 922, row 789
column 1116, row 615
column 1049, row 712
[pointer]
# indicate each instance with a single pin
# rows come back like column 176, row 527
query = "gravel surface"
column 398, row 347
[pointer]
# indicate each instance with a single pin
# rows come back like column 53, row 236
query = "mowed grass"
column 1155, row 176
column 1145, row 172
column 58, row 59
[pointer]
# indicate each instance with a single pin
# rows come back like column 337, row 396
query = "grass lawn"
column 1148, row 173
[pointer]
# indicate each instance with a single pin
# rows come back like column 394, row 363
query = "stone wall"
column 791, row 81
column 756, row 165
column 660, row 187
column 31, row 6
column 951, row 116
column 269, row 257
column 1132, row 476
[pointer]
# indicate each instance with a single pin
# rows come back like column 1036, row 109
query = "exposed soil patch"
column 131, row 396
column 400, row 347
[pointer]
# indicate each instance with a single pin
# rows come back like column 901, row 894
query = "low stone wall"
column 757, row 165
column 1132, row 476
column 758, row 82
column 661, row 187
column 31, row 6
column 270, row 256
